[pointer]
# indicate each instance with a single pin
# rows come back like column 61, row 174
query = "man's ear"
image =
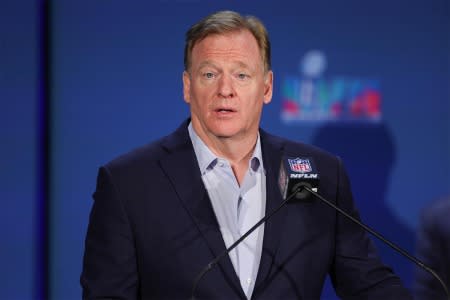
column 186, row 87
column 268, row 87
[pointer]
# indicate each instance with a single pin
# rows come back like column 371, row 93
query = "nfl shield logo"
column 300, row 165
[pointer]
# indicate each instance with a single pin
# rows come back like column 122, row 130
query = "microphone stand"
column 298, row 189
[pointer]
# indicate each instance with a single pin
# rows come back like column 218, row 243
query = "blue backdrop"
column 18, row 147
column 117, row 70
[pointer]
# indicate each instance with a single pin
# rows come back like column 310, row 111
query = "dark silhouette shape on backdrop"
column 368, row 152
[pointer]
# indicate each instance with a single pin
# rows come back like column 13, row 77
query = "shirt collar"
column 207, row 159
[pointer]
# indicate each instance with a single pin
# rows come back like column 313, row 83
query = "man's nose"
column 225, row 87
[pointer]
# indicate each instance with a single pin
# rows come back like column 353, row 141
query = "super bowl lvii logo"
column 312, row 97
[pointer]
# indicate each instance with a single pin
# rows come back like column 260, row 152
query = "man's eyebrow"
column 243, row 65
column 206, row 63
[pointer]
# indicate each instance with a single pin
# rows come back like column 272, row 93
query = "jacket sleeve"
column 357, row 271
column 109, row 264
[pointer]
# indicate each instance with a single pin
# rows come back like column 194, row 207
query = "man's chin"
column 228, row 133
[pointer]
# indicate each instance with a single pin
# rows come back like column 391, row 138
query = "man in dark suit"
column 164, row 211
column 433, row 248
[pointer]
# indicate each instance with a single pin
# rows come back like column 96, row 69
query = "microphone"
column 295, row 174
column 300, row 177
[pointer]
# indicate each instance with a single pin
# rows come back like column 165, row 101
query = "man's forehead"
column 235, row 47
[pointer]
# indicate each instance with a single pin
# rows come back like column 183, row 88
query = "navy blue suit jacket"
column 152, row 229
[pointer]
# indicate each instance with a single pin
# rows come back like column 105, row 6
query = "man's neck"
column 237, row 150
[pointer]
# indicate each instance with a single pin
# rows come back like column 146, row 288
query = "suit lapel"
column 182, row 169
column 272, row 152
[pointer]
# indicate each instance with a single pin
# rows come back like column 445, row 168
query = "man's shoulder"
column 290, row 147
column 150, row 153
column 439, row 207
column 144, row 153
column 437, row 214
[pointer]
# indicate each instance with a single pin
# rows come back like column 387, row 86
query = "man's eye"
column 208, row 75
column 242, row 76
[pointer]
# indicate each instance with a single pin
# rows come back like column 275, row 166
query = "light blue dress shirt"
column 237, row 208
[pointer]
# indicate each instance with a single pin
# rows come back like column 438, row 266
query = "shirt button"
column 249, row 281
